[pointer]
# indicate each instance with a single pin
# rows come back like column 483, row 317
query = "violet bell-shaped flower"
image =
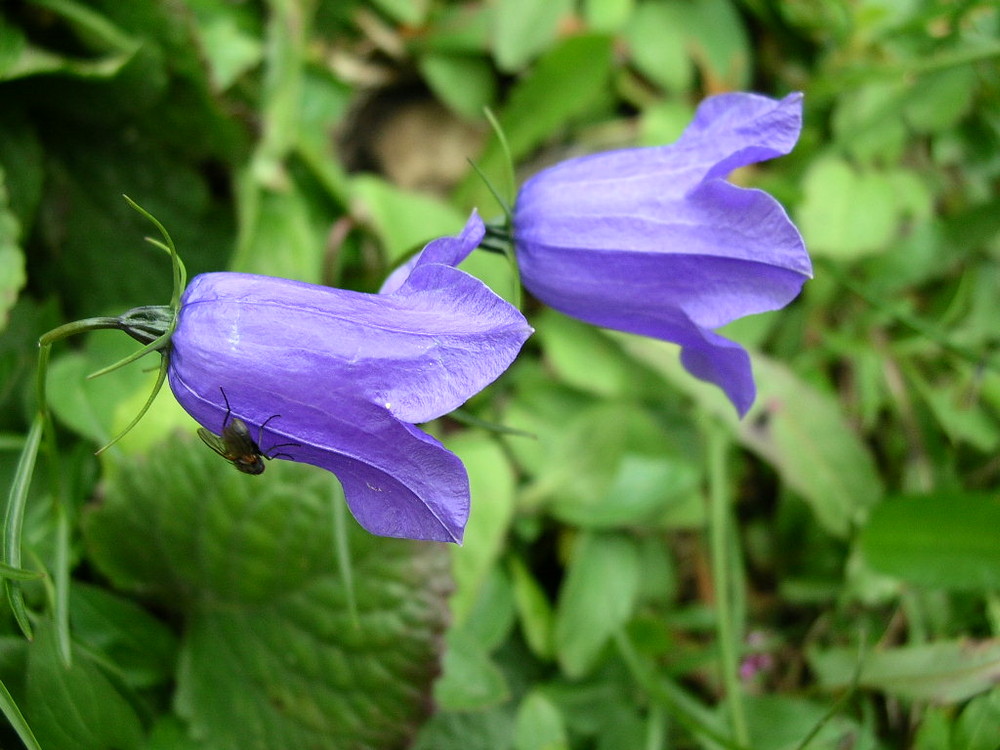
column 654, row 241
column 338, row 378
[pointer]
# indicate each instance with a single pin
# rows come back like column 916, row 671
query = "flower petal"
column 398, row 481
column 419, row 352
column 449, row 251
column 653, row 241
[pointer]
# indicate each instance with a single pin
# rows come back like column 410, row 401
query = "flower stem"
column 722, row 539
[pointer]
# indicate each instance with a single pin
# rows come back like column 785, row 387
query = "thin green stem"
column 723, row 542
column 343, row 545
column 914, row 324
column 14, row 520
column 511, row 179
column 696, row 718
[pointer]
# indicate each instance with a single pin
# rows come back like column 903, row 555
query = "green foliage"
column 207, row 608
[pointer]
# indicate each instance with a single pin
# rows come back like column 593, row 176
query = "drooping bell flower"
column 654, row 241
column 338, row 379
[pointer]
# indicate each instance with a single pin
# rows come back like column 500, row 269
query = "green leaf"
column 267, row 632
column 611, row 465
column 492, row 615
column 655, row 35
column 463, row 82
column 411, row 12
column 470, row 680
column 940, row 99
column 492, row 729
column 94, row 408
column 228, row 44
column 12, row 276
column 798, row 429
column 582, row 356
column 77, row 707
column 539, row 724
column 846, row 214
column 19, row 58
column 942, row 672
column 947, row 540
column 596, row 599
column 979, row 725
column 279, row 236
column 524, row 28
column 718, row 43
column 533, row 608
column 867, row 122
column 564, row 83
column 607, row 15
column 780, row 722
column 492, row 485
column 142, row 648
column 402, row 220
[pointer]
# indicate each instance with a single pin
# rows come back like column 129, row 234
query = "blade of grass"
column 722, row 538
column 16, row 719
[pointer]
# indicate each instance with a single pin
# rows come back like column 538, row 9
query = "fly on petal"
column 350, row 374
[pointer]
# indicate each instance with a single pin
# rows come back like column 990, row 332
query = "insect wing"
column 215, row 442
column 236, row 446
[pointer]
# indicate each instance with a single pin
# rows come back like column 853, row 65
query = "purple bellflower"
column 338, row 379
column 654, row 241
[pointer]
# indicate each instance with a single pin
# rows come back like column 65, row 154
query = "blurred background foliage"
column 646, row 571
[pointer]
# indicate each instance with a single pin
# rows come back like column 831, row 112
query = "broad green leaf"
column 939, row 100
column 142, row 648
column 77, row 707
column 170, row 733
column 12, row 275
column 470, row 681
column 403, row 221
column 540, row 407
column 539, row 725
column 249, row 569
column 798, row 429
column 464, row 29
column 948, row 540
column 780, row 722
column 492, row 729
column 411, row 12
column 611, row 465
column 718, row 43
column 492, row 484
column 492, row 614
column 607, row 15
column 582, row 357
column 524, row 28
column 90, row 407
column 655, row 35
column 663, row 123
column 942, row 672
column 227, row 42
column 279, row 236
column 563, row 85
column 463, row 82
column 846, row 214
column 867, row 121
column 979, row 724
column 596, row 599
